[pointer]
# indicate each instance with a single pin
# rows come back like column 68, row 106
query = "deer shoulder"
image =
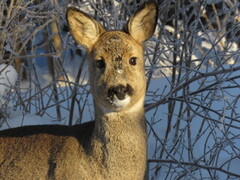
column 114, row 146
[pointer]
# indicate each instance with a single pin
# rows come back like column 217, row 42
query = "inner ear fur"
column 142, row 24
column 83, row 28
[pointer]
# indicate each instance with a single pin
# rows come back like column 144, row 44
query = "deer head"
column 116, row 62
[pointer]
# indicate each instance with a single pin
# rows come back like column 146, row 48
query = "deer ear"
column 83, row 28
column 142, row 25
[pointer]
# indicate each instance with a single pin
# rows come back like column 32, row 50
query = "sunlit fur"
column 114, row 146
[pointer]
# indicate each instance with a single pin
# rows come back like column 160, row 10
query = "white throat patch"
column 119, row 104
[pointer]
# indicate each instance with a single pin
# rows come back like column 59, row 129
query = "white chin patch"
column 120, row 104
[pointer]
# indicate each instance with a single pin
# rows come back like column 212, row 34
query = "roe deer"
column 112, row 147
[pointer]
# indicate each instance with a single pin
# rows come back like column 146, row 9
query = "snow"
column 208, row 136
column 213, row 136
column 18, row 119
column 8, row 78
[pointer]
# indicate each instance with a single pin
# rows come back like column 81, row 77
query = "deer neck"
column 120, row 140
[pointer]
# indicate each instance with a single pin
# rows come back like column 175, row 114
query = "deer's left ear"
column 142, row 25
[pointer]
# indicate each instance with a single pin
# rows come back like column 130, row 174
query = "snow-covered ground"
column 210, row 143
column 194, row 127
column 189, row 146
column 8, row 78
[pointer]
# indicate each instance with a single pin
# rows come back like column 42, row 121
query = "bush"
column 192, row 67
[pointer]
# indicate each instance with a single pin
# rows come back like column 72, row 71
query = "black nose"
column 120, row 91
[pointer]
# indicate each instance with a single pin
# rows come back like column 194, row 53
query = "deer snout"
column 120, row 91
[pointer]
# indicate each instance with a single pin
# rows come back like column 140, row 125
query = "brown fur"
column 115, row 145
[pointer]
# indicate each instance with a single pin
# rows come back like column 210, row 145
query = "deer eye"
column 100, row 63
column 133, row 61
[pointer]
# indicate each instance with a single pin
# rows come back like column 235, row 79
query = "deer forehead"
column 116, row 45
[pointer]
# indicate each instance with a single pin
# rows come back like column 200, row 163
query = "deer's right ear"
column 83, row 28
